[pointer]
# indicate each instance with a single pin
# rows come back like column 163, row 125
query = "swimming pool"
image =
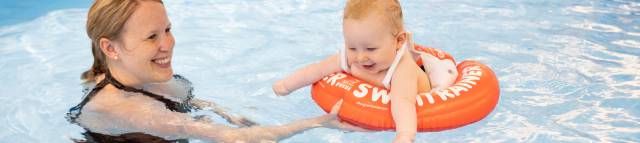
column 568, row 70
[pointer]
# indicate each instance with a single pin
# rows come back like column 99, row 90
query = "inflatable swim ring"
column 472, row 97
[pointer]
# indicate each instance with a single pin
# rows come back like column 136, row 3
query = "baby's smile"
column 368, row 66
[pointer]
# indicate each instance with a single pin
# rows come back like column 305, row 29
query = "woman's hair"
column 106, row 19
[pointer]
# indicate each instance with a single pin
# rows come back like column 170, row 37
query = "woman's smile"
column 162, row 62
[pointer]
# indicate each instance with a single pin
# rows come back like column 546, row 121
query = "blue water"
column 12, row 12
column 568, row 70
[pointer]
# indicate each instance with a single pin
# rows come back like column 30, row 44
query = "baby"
column 377, row 50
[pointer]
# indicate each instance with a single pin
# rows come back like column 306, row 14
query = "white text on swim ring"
column 332, row 80
column 375, row 95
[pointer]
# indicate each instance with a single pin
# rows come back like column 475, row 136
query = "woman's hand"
column 280, row 89
column 335, row 123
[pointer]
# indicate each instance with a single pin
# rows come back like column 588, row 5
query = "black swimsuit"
column 182, row 107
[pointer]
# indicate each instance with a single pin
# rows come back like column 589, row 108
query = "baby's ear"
column 401, row 38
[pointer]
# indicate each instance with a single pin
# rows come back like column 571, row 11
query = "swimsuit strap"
column 343, row 60
column 75, row 111
column 168, row 103
column 387, row 77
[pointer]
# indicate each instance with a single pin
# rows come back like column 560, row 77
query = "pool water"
column 12, row 12
column 569, row 71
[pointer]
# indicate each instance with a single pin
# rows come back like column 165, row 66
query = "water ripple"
column 627, row 43
column 587, row 25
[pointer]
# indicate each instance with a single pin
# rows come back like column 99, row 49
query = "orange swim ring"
column 472, row 97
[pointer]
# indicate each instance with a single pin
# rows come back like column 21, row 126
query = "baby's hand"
column 403, row 140
column 280, row 89
column 404, row 137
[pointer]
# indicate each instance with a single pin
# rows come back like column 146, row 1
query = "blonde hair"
column 390, row 10
column 106, row 19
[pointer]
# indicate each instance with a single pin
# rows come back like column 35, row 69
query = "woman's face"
column 145, row 45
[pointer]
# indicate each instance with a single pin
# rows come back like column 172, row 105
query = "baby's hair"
column 389, row 9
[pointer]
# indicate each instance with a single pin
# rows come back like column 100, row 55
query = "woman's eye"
column 152, row 36
column 371, row 49
column 351, row 49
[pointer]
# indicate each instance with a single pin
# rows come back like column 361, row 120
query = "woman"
column 136, row 98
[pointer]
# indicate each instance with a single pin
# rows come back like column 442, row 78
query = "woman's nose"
column 167, row 43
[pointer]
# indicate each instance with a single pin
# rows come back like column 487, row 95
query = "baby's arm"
column 404, row 88
column 307, row 75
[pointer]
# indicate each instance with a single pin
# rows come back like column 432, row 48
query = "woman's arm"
column 154, row 119
column 150, row 117
column 284, row 131
column 212, row 106
column 179, row 89
column 307, row 75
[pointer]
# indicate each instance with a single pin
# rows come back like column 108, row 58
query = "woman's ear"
column 108, row 48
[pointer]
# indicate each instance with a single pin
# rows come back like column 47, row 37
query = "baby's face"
column 371, row 46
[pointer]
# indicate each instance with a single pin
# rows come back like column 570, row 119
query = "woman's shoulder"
column 105, row 100
column 178, row 88
column 109, row 98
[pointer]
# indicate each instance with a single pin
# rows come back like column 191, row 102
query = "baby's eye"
column 371, row 49
column 167, row 30
column 351, row 49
